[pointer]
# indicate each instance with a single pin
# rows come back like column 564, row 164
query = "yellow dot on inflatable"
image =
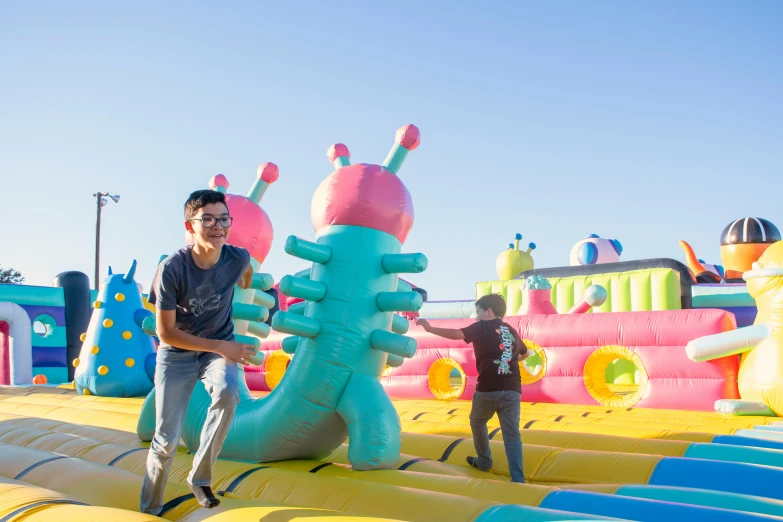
column 82, row 337
column 108, row 323
column 127, row 335
column 86, row 392
column 95, row 350
column 97, row 304
column 103, row 370
column 120, row 296
column 76, row 362
column 129, row 362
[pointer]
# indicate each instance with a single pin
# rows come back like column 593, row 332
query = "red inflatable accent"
column 408, row 136
column 337, row 150
column 268, row 172
column 5, row 354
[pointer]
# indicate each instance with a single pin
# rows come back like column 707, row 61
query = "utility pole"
column 100, row 201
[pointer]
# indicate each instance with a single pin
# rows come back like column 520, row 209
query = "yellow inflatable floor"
column 70, row 457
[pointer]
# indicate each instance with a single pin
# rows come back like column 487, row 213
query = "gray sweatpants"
column 176, row 375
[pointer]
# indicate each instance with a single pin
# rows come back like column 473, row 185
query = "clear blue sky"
column 648, row 122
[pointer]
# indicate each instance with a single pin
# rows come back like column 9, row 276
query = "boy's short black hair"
column 494, row 302
column 201, row 198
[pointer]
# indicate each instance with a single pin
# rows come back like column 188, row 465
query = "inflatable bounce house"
column 652, row 391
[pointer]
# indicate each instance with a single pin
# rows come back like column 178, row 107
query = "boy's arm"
column 247, row 277
column 449, row 333
column 173, row 336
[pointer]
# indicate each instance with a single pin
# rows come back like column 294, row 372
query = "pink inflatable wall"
column 573, row 345
column 658, row 339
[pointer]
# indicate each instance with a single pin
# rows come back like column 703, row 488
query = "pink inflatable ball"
column 594, row 296
column 367, row 195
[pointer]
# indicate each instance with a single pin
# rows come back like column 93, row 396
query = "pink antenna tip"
column 336, row 151
column 218, row 181
column 408, row 136
column 268, row 172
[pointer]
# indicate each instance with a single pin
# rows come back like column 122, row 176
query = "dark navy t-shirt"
column 497, row 347
column 201, row 297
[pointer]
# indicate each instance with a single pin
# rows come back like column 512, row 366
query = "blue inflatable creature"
column 116, row 355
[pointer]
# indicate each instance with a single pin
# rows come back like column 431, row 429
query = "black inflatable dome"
column 749, row 230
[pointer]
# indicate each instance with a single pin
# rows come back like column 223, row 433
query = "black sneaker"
column 472, row 462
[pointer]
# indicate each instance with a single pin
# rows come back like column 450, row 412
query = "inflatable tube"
column 448, row 309
column 76, row 291
column 19, row 354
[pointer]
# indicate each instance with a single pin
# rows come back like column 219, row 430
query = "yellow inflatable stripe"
column 723, row 427
column 585, row 441
column 76, row 513
column 16, row 495
column 243, row 510
column 626, row 431
column 83, row 480
column 105, row 434
column 29, row 503
column 359, row 497
column 615, row 423
column 463, row 408
column 415, row 462
column 503, row 492
column 544, row 464
column 82, row 402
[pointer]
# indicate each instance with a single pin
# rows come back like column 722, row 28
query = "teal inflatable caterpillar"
column 345, row 332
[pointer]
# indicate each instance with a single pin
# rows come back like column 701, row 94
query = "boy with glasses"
column 192, row 293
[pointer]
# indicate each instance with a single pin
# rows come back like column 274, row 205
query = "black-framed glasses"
column 210, row 222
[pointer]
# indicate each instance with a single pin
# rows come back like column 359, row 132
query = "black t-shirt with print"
column 497, row 347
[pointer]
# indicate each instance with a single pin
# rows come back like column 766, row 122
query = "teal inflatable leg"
column 373, row 425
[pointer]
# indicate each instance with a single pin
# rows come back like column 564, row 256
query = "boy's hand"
column 237, row 352
column 424, row 324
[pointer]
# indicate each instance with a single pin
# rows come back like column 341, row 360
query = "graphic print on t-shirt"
column 207, row 300
column 507, row 346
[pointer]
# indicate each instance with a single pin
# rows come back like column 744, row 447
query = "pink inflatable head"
column 252, row 228
column 367, row 195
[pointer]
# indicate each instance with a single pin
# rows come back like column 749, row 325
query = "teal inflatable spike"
column 112, row 360
column 261, row 330
column 331, row 391
column 399, row 324
column 302, row 288
column 393, row 343
column 297, row 308
column 307, row 250
column 289, row 344
column 399, row 301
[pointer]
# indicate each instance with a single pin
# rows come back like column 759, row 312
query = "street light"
column 101, row 201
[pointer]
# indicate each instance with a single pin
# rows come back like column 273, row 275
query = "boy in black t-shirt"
column 498, row 350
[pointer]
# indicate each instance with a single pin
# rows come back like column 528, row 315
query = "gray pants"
column 506, row 405
column 176, row 375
